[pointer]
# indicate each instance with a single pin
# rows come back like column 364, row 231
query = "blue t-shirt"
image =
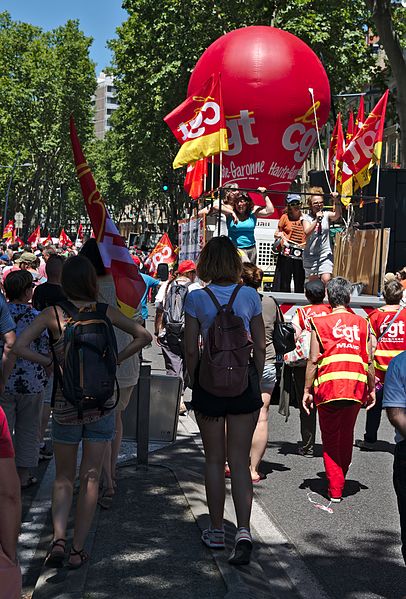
column 242, row 232
column 394, row 393
column 149, row 282
column 6, row 320
column 199, row 304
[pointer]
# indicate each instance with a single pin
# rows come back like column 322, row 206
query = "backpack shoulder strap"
column 213, row 298
column 102, row 308
column 233, row 296
column 279, row 314
column 69, row 308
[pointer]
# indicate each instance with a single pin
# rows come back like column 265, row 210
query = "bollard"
column 143, row 402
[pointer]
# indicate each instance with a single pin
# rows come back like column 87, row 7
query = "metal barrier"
column 152, row 413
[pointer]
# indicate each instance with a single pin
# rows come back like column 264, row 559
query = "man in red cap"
column 170, row 320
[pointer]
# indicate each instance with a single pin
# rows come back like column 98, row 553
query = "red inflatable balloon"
column 266, row 74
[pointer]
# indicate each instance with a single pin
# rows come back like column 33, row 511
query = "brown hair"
column 79, row 279
column 234, row 200
column 219, row 261
column 314, row 191
column 392, row 292
column 251, row 275
column 16, row 283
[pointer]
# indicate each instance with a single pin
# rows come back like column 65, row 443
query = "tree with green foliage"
column 390, row 24
column 44, row 77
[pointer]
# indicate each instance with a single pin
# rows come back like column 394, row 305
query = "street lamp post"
column 13, row 167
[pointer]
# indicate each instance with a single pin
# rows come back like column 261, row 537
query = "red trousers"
column 337, row 421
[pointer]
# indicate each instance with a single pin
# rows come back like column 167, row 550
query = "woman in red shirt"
column 10, row 516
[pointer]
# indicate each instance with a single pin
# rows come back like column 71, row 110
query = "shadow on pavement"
column 366, row 557
column 319, row 485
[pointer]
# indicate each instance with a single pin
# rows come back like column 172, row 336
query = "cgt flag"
column 336, row 151
column 364, row 151
column 8, row 231
column 199, row 124
column 350, row 129
column 163, row 253
column 116, row 258
column 194, row 178
column 64, row 239
column 35, row 237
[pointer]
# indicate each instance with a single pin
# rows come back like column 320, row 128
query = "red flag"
column 194, row 178
column 163, row 253
column 364, row 151
column 350, row 129
column 336, row 151
column 359, row 121
column 19, row 241
column 116, row 258
column 79, row 234
column 64, row 239
column 34, row 238
column 199, row 124
column 48, row 240
column 8, row 231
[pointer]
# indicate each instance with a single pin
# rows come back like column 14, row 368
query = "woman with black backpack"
column 225, row 384
column 90, row 417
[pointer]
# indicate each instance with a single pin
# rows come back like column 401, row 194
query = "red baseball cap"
column 186, row 266
column 136, row 260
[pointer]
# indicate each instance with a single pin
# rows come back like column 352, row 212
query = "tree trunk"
column 381, row 12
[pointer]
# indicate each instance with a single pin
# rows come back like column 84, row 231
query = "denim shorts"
column 72, row 434
column 268, row 380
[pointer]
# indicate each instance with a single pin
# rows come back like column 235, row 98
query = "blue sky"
column 98, row 19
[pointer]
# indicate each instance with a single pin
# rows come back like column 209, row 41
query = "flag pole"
column 220, row 194
column 382, row 202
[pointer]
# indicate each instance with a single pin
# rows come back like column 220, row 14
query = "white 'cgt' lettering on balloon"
column 266, row 74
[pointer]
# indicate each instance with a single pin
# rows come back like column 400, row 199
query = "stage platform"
column 289, row 302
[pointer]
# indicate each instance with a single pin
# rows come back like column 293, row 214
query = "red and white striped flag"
column 116, row 258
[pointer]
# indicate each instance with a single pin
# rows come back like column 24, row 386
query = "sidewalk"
column 148, row 544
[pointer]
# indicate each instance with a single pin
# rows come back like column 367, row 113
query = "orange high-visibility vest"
column 343, row 363
column 305, row 313
column 394, row 340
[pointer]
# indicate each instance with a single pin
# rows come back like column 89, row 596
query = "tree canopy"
column 44, row 77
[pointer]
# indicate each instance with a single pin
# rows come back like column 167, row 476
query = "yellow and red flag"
column 199, row 124
column 336, row 151
column 194, row 178
column 364, row 151
column 163, row 253
column 35, row 237
column 359, row 121
column 8, row 231
column 116, row 258
column 350, row 129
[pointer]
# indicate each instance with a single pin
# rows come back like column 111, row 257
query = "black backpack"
column 174, row 309
column 88, row 377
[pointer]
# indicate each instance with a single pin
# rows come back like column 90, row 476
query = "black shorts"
column 212, row 406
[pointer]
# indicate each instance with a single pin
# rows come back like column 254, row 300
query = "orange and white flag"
column 199, row 124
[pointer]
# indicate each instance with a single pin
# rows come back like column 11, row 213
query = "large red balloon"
column 266, row 74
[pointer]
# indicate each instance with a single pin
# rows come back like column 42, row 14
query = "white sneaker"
column 336, row 499
column 213, row 538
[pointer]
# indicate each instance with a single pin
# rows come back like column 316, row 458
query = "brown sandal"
column 84, row 557
column 55, row 558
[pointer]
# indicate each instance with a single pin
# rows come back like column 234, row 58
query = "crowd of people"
column 68, row 351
